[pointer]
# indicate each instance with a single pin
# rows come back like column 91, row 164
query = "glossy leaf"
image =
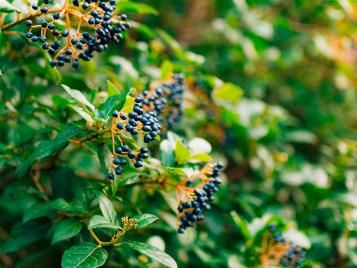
column 114, row 102
column 84, row 256
column 107, row 209
column 182, row 153
column 45, row 209
column 78, row 96
column 46, row 148
column 145, row 219
column 66, row 229
column 98, row 221
column 6, row 7
column 153, row 253
column 23, row 234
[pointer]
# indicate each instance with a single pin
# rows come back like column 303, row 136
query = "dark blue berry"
column 64, row 33
column 120, row 125
column 44, row 9
column 118, row 171
column 110, row 176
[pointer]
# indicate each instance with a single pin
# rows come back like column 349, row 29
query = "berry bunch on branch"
column 197, row 194
column 142, row 120
column 74, row 31
column 151, row 113
column 278, row 251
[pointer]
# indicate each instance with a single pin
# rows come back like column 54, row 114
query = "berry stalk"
column 33, row 15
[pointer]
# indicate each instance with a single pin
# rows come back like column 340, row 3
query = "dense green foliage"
column 269, row 91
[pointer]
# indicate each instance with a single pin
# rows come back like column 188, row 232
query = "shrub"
column 229, row 145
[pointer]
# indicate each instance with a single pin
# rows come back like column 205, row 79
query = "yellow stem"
column 32, row 15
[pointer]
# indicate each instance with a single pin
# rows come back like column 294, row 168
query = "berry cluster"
column 197, row 199
column 135, row 122
column 69, row 44
column 166, row 100
column 150, row 109
column 123, row 154
column 138, row 121
column 291, row 255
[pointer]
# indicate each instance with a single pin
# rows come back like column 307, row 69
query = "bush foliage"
column 180, row 133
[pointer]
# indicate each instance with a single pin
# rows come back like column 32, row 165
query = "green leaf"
column 242, row 225
column 84, row 114
column 167, row 68
column 47, row 148
column 152, row 252
column 107, row 209
column 201, row 157
column 139, row 8
column 78, row 96
column 23, row 234
column 145, row 219
column 182, row 153
column 6, row 7
column 112, row 90
column 167, row 155
column 45, row 209
column 115, row 102
column 66, row 229
column 128, row 105
column 228, row 92
column 104, row 157
column 175, row 172
column 87, row 255
column 98, row 221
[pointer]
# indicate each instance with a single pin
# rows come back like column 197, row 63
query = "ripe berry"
column 138, row 164
column 44, row 10
column 118, row 171
column 85, row 5
column 42, row 39
column 110, row 176
column 115, row 114
column 116, row 161
column 43, row 24
column 120, row 125
column 131, row 155
column 64, row 33
column 28, row 22
column 123, row 162
column 75, row 65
